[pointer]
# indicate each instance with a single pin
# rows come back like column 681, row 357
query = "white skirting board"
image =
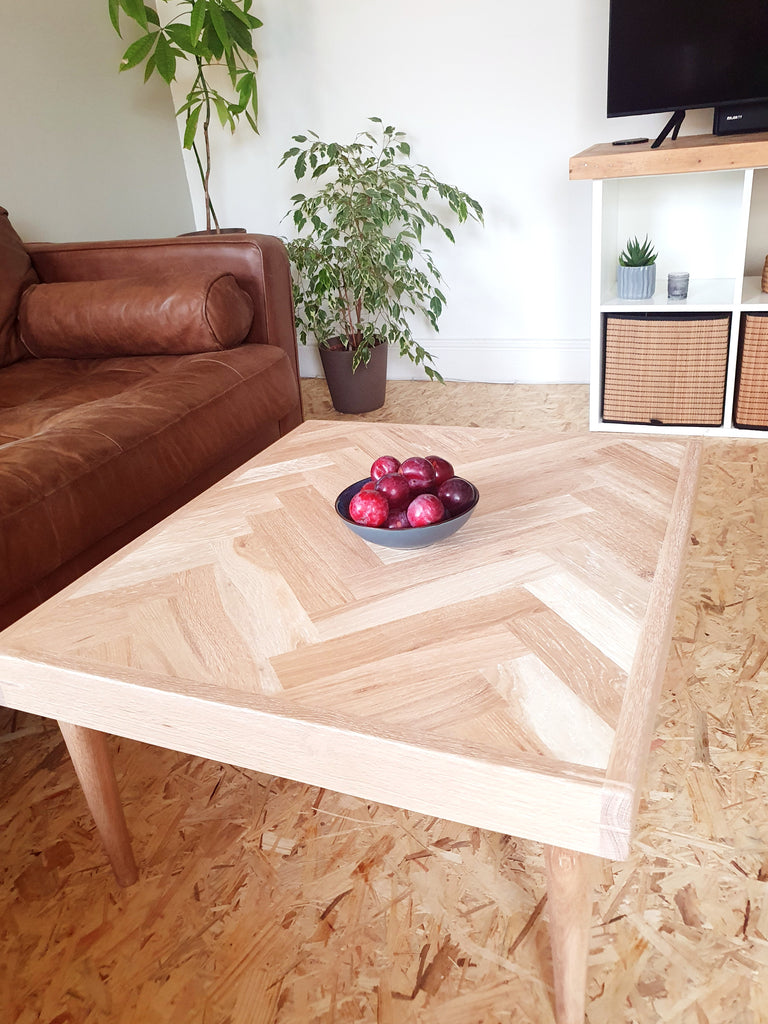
column 492, row 362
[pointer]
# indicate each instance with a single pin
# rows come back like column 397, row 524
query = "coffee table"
column 506, row 678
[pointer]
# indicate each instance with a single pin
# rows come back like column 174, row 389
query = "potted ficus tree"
column 636, row 272
column 213, row 35
column 361, row 272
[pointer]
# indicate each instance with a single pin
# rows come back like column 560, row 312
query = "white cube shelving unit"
column 703, row 201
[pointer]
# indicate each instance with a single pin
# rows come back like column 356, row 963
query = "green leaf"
column 210, row 42
column 300, row 167
column 165, row 60
column 114, row 15
column 222, row 109
column 255, row 100
column 137, row 51
column 288, row 154
column 245, row 86
column 190, row 128
column 231, row 66
column 241, row 16
column 197, row 19
column 219, row 25
column 135, row 9
column 238, row 33
column 181, row 36
column 149, row 67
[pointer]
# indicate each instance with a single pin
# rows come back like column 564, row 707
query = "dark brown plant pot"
column 361, row 391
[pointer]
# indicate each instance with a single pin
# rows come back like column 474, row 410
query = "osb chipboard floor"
column 267, row 902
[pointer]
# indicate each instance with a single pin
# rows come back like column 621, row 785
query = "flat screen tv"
column 676, row 55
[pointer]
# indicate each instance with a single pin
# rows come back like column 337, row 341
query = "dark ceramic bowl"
column 415, row 537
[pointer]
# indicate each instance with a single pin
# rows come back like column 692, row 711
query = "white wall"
column 495, row 97
column 87, row 153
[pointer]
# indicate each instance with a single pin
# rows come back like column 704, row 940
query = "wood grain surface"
column 506, row 678
column 675, row 156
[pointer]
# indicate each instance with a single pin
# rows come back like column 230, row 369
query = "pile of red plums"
column 416, row 492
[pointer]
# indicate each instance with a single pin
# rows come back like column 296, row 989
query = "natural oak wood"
column 674, row 156
column 93, row 766
column 253, row 627
column 490, row 680
column 569, row 895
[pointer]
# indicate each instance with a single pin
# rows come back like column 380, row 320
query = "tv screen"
column 666, row 55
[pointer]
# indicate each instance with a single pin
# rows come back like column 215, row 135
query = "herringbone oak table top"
column 506, row 677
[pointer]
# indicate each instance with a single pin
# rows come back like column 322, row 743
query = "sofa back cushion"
column 16, row 275
column 168, row 314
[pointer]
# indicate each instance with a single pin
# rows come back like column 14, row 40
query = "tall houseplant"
column 361, row 272
column 210, row 34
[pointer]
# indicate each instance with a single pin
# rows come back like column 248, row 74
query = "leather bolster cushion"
column 167, row 314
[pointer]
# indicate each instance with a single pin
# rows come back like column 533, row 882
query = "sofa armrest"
column 259, row 263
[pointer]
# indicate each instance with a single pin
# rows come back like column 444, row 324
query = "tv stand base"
column 672, row 125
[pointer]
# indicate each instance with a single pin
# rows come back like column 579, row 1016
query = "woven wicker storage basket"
column 665, row 370
column 764, row 279
column 752, row 387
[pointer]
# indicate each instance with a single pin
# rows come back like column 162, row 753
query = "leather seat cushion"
column 86, row 445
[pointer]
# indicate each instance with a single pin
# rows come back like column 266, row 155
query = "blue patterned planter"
column 636, row 282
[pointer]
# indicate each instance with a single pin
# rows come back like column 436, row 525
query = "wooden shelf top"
column 684, row 154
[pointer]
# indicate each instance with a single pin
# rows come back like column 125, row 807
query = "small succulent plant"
column 637, row 254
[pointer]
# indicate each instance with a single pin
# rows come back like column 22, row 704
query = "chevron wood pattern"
column 506, row 677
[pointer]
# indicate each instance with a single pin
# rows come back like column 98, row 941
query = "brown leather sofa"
column 133, row 375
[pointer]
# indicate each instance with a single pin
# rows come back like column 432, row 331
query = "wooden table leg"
column 93, row 766
column 570, row 899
